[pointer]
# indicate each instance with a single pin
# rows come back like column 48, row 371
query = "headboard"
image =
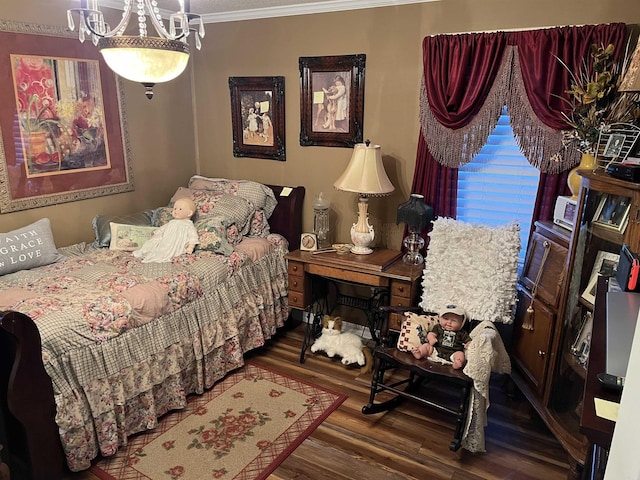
column 286, row 219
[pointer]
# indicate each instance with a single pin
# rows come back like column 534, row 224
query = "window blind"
column 499, row 185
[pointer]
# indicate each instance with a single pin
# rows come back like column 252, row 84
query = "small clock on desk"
column 309, row 242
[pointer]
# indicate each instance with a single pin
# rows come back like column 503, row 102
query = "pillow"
column 255, row 248
column 258, row 224
column 474, row 266
column 28, row 247
column 259, row 195
column 414, row 329
column 102, row 228
column 129, row 237
column 212, row 235
column 161, row 216
column 235, row 209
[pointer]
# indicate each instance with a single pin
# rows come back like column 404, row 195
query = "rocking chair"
column 473, row 266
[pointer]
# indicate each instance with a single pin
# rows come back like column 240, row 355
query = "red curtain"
column 459, row 70
column 545, row 79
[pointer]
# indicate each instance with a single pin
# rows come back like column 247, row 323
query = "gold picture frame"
column 63, row 126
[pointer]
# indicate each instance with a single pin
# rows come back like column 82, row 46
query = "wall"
column 391, row 38
column 162, row 132
column 161, row 137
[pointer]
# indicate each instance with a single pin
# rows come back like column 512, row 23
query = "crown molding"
column 288, row 10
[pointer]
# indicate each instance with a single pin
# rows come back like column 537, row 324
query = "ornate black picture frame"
column 332, row 100
column 257, row 117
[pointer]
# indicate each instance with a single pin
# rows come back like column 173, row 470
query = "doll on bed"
column 447, row 337
column 174, row 238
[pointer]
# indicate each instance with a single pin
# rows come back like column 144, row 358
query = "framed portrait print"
column 606, row 263
column 63, row 132
column 332, row 100
column 612, row 212
column 257, row 117
column 614, row 145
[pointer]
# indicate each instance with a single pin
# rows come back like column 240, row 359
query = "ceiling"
column 215, row 11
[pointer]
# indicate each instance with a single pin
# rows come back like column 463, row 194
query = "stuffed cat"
column 347, row 345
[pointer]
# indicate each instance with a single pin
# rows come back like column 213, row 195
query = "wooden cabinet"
column 547, row 367
column 532, row 345
column 539, row 292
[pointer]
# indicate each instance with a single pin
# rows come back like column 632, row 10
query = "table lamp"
column 365, row 176
column 417, row 215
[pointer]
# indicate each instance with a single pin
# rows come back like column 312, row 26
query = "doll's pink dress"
column 168, row 241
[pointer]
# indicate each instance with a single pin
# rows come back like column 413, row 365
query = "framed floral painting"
column 332, row 100
column 257, row 117
column 62, row 121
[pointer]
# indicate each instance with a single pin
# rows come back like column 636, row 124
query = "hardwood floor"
column 410, row 442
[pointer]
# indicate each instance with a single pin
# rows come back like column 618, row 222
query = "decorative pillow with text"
column 28, row 247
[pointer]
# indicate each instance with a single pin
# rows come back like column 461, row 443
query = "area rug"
column 241, row 429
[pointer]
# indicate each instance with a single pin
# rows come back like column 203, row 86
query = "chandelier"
column 144, row 59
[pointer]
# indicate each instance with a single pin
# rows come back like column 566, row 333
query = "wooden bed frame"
column 27, row 408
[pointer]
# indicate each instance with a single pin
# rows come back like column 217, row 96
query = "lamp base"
column 358, row 250
column 362, row 233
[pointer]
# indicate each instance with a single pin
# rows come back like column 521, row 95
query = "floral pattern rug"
column 242, row 428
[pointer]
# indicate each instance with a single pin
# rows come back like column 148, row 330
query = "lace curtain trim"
column 539, row 143
column 454, row 148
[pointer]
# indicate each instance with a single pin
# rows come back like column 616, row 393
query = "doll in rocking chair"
column 447, row 337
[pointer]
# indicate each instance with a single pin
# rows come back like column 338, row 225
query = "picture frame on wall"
column 332, row 100
column 606, row 263
column 63, row 125
column 257, row 117
column 612, row 212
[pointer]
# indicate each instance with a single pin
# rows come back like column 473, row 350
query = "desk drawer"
column 401, row 289
column 298, row 285
column 296, row 300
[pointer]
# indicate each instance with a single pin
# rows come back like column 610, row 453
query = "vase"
column 587, row 162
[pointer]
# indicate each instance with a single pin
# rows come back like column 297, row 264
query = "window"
column 499, row 185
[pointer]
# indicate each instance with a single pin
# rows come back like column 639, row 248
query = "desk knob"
column 541, row 353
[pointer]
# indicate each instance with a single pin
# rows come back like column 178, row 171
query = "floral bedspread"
column 124, row 342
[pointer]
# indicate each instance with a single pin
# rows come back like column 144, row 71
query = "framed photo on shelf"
column 606, row 264
column 582, row 342
column 257, row 117
column 332, row 100
column 612, row 212
column 614, row 145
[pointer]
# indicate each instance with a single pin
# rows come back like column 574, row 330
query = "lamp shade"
column 415, row 213
column 145, row 59
column 631, row 80
column 365, row 173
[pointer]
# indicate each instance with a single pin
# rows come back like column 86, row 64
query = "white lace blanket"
column 486, row 354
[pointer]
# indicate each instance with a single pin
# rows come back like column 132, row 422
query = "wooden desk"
column 397, row 284
column 598, row 430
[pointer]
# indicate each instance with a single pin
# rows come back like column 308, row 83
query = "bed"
column 96, row 345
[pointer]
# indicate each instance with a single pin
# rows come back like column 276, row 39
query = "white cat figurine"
column 346, row 345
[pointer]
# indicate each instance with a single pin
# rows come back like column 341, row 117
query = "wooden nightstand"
column 395, row 283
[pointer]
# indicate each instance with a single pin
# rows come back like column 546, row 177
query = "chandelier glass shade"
column 142, row 58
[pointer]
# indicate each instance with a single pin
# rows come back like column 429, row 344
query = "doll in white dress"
column 174, row 238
